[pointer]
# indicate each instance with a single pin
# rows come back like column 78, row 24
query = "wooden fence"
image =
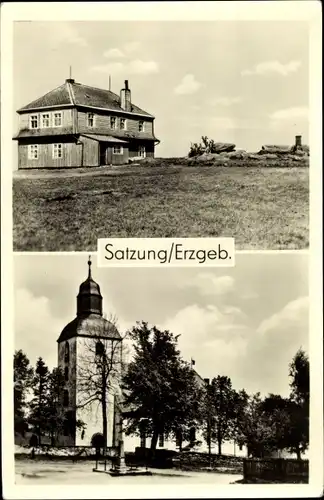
column 275, row 469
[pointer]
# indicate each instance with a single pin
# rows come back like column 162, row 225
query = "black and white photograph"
column 178, row 374
column 160, row 129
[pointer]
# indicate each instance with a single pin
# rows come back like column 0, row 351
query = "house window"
column 122, row 124
column 113, row 122
column 33, row 121
column 45, row 120
column 57, row 151
column 90, row 120
column 66, row 373
column 67, row 352
column 141, row 151
column 66, row 398
column 33, row 152
column 117, row 150
column 57, row 120
column 141, row 126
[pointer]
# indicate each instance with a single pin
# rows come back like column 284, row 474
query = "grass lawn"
column 261, row 207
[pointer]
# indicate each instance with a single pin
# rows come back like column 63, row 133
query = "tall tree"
column 299, row 403
column 23, row 374
column 38, row 405
column 222, row 400
column 159, row 386
column 54, row 407
column 99, row 370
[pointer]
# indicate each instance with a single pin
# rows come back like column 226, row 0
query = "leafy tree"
column 222, row 399
column 99, row 371
column 299, row 403
column 299, row 378
column 38, row 417
column 54, row 406
column 159, row 386
column 23, row 374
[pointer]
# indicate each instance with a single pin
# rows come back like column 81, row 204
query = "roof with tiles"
column 77, row 94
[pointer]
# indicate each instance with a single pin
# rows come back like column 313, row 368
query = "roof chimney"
column 125, row 97
column 69, row 80
column 298, row 141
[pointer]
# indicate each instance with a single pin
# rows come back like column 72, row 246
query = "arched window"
column 66, row 373
column 99, row 348
column 67, row 352
column 66, row 398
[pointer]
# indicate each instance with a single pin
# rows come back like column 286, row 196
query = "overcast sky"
column 246, row 322
column 244, row 82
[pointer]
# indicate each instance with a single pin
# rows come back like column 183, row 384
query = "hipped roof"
column 77, row 94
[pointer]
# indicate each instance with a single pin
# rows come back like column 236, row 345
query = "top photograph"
column 154, row 129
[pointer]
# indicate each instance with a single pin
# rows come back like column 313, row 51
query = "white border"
column 275, row 10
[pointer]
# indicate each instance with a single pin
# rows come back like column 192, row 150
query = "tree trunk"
column 298, row 453
column 154, row 441
column 104, row 406
column 219, row 442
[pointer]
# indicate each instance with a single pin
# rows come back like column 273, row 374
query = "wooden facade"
column 54, row 134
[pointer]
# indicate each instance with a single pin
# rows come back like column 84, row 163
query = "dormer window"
column 33, row 121
column 141, row 126
column 113, row 122
column 90, row 120
column 45, row 120
column 122, row 124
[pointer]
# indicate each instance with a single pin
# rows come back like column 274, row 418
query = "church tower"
column 90, row 357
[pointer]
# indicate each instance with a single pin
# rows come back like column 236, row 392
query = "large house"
column 76, row 125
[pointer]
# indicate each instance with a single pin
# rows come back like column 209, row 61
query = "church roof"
column 93, row 325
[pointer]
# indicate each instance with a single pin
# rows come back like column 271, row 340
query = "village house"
column 75, row 125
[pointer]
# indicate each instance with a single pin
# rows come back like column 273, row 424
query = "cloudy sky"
column 244, row 82
column 246, row 322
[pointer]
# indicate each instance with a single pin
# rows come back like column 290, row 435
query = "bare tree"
column 100, row 369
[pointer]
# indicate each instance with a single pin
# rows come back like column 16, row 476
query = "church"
column 90, row 355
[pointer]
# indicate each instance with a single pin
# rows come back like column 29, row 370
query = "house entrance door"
column 103, row 153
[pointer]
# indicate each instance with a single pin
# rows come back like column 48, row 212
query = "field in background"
column 262, row 207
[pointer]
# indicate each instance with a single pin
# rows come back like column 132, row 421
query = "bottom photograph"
column 183, row 375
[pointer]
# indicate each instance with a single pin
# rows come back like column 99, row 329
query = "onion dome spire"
column 89, row 299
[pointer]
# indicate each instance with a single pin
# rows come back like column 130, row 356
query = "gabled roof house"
column 76, row 125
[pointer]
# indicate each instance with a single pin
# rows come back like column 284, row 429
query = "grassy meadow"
column 262, row 207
